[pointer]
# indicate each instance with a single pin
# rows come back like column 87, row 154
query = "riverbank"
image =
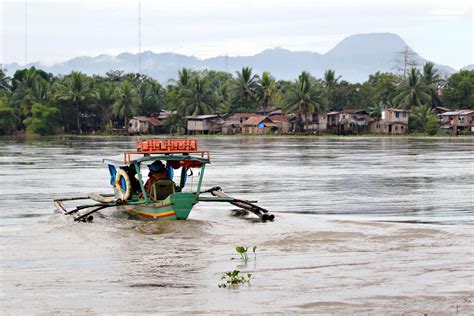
column 316, row 136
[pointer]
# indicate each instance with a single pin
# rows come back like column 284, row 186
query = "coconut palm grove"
column 34, row 101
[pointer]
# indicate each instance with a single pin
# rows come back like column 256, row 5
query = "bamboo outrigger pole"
column 246, row 205
column 86, row 217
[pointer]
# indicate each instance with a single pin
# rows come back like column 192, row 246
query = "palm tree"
column 76, row 89
column 330, row 79
column 174, row 124
column 151, row 97
column 5, row 81
column 223, row 98
column 184, row 78
column 376, row 109
column 197, row 98
column 172, row 98
column 413, row 91
column 246, row 84
column 421, row 115
column 114, row 76
column 430, row 74
column 104, row 98
column 126, row 102
column 305, row 98
column 433, row 80
column 266, row 90
column 175, row 99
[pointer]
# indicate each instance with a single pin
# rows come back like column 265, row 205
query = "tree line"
column 39, row 102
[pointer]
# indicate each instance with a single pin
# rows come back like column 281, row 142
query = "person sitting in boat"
column 132, row 173
column 159, row 186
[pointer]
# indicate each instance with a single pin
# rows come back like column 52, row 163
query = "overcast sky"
column 441, row 31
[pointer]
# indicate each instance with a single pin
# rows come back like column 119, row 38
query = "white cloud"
column 58, row 30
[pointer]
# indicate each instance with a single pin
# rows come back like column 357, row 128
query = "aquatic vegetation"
column 234, row 279
column 243, row 252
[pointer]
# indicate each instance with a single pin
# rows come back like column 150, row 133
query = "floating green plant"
column 234, row 279
column 243, row 252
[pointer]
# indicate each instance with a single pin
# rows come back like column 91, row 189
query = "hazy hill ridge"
column 354, row 58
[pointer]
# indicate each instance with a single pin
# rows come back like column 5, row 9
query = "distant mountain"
column 354, row 58
column 468, row 67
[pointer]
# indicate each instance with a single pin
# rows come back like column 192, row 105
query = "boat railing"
column 127, row 156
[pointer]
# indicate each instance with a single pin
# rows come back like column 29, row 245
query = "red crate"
column 167, row 145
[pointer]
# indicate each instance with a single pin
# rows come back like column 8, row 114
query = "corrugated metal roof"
column 459, row 112
column 255, row 120
column 140, row 118
column 279, row 118
column 443, row 108
column 151, row 120
column 396, row 110
column 154, row 121
column 201, row 117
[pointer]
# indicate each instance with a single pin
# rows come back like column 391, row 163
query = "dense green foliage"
column 45, row 104
column 432, row 126
column 43, row 120
column 420, row 117
column 8, row 118
column 459, row 90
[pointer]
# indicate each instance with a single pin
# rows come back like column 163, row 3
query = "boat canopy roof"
column 169, row 157
column 164, row 149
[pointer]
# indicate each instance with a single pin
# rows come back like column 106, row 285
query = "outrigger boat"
column 164, row 199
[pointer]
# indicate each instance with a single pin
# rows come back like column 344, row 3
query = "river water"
column 363, row 225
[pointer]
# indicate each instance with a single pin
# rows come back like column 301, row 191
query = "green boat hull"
column 177, row 206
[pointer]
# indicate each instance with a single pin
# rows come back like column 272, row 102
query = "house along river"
column 363, row 225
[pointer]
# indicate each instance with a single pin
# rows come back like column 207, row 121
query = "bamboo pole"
column 257, row 210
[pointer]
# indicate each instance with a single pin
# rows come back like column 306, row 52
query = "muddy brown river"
column 363, row 226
